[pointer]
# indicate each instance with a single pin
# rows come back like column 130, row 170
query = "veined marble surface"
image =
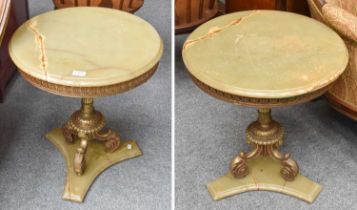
column 86, row 47
column 265, row 54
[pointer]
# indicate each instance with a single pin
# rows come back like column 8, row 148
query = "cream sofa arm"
column 341, row 20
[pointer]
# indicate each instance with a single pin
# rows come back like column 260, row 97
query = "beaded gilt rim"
column 89, row 92
column 258, row 102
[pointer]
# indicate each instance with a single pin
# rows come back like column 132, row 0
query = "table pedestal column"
column 259, row 168
column 266, row 135
column 87, row 158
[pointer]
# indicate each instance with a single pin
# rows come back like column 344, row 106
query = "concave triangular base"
column 264, row 175
column 97, row 160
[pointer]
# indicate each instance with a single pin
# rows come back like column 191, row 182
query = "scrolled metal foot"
column 69, row 134
column 290, row 168
column 110, row 138
column 238, row 167
column 79, row 161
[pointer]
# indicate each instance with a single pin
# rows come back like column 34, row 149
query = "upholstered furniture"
column 191, row 13
column 95, row 59
column 5, row 6
column 238, row 59
column 13, row 13
column 126, row 5
column 341, row 15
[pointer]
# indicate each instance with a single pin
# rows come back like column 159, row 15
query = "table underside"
column 89, row 92
column 258, row 102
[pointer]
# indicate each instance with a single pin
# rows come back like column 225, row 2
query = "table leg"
column 88, row 148
column 87, row 124
column 266, row 135
column 79, row 162
column 259, row 168
column 110, row 138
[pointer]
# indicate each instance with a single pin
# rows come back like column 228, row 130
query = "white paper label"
column 130, row 146
column 79, row 73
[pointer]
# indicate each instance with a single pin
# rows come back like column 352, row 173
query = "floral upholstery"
column 341, row 19
column 341, row 15
column 348, row 5
column 315, row 9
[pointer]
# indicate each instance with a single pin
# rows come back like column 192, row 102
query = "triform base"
column 97, row 161
column 264, row 175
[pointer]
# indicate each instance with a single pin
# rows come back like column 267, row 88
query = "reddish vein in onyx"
column 215, row 30
column 40, row 40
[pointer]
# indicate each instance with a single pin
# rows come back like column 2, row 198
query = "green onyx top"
column 265, row 54
column 86, row 47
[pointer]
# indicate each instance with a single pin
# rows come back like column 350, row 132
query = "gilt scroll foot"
column 79, row 162
column 110, row 138
column 68, row 133
column 239, row 167
column 290, row 168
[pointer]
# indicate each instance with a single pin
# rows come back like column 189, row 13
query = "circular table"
column 264, row 59
column 86, row 52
